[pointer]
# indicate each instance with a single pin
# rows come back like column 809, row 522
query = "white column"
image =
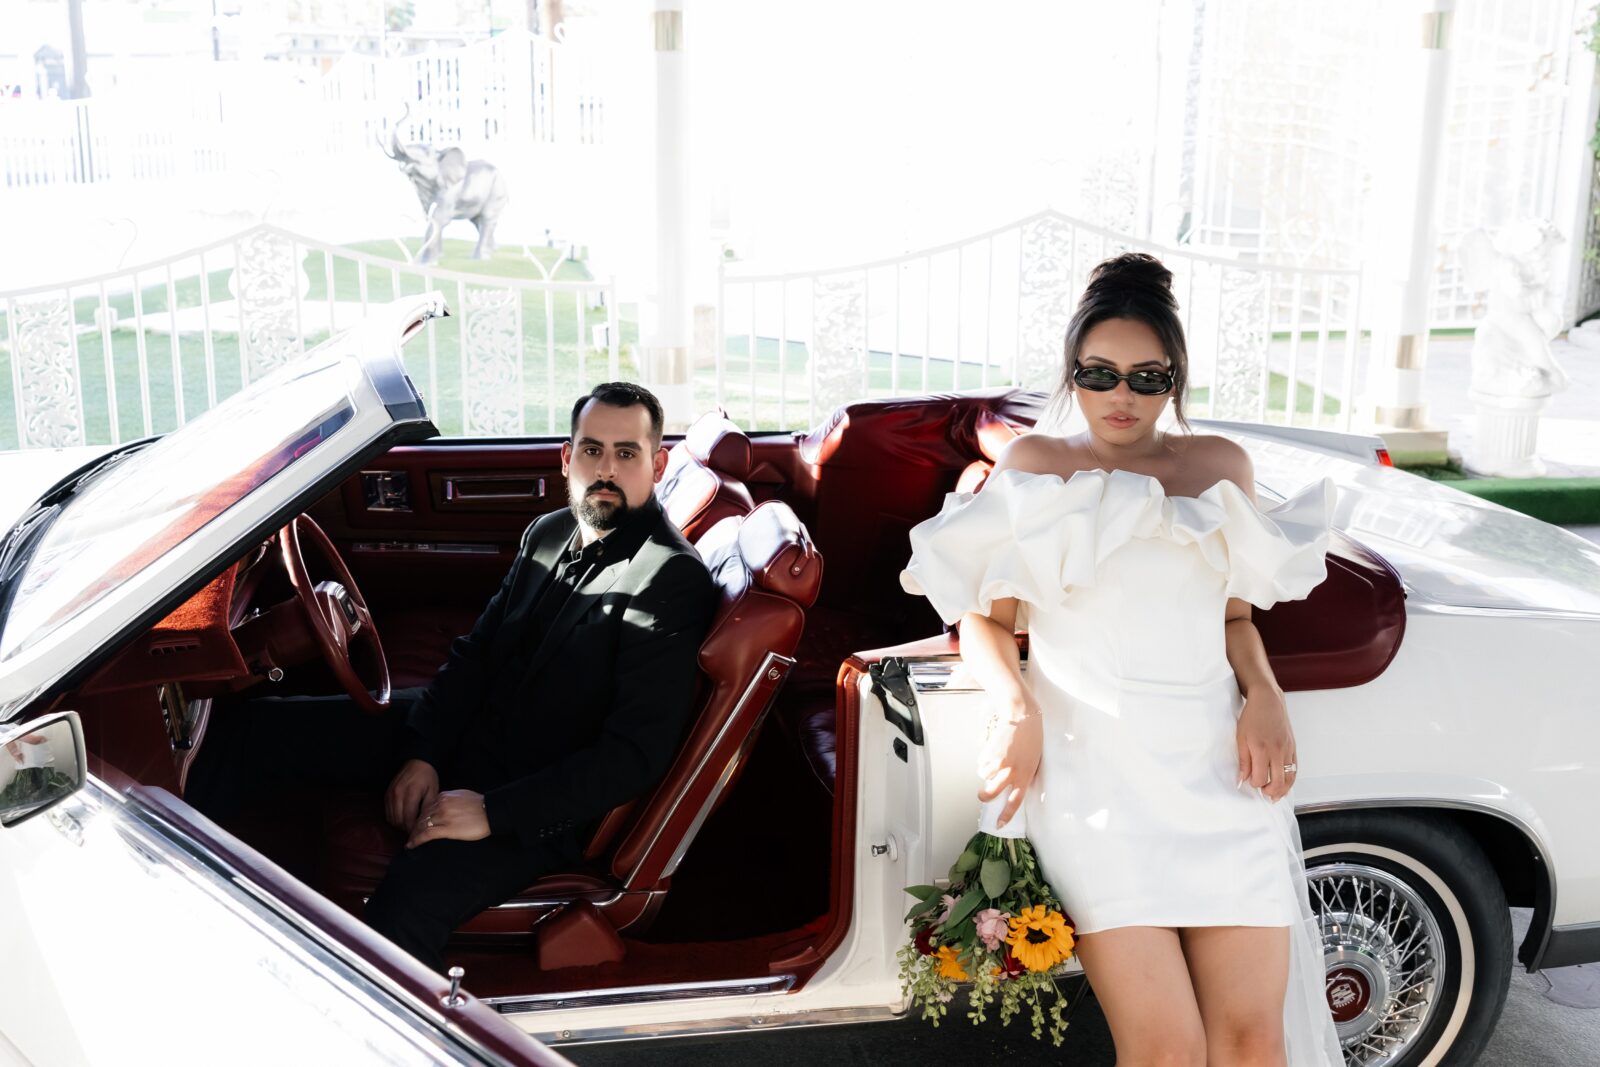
column 1574, row 180
column 1403, row 272
column 664, row 352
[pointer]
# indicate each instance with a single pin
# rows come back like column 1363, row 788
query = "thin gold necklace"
column 1097, row 460
column 1089, row 440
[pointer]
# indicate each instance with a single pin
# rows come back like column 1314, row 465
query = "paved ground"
column 1550, row 1019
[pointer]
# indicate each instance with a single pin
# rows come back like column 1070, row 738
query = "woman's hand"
column 1266, row 743
column 1010, row 759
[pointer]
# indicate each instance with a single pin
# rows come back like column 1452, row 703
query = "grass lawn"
column 167, row 360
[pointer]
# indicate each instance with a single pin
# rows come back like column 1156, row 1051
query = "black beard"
column 599, row 514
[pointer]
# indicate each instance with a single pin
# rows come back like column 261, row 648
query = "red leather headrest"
column 776, row 547
column 714, row 440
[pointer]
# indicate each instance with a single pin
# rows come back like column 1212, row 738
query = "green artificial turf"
column 1562, row 501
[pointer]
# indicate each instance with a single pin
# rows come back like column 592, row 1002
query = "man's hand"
column 411, row 793
column 457, row 815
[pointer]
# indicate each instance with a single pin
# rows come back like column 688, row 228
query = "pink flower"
column 949, row 903
column 993, row 927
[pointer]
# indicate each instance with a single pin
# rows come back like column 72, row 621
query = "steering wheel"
column 337, row 613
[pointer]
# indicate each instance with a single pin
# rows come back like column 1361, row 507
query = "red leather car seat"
column 705, row 476
column 991, row 434
column 767, row 572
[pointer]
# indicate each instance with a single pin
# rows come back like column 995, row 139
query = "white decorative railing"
column 514, row 89
column 993, row 310
column 142, row 350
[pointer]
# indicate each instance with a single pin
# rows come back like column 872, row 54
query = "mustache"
column 602, row 486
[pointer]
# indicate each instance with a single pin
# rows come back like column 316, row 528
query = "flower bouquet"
column 996, row 925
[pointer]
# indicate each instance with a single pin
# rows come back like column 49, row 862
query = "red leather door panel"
column 429, row 530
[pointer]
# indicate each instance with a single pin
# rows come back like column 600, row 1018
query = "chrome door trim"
column 732, row 1024
column 932, row 674
column 516, row 1004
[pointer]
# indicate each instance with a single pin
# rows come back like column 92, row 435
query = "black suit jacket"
column 605, row 697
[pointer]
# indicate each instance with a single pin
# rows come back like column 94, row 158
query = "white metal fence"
column 1266, row 342
column 230, row 117
column 142, row 350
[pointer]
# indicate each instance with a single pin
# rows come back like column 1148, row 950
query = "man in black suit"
column 568, row 698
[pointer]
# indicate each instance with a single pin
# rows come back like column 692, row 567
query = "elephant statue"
column 451, row 187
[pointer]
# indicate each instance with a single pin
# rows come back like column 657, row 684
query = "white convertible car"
column 1442, row 683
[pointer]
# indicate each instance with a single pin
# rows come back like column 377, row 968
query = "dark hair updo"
column 1134, row 285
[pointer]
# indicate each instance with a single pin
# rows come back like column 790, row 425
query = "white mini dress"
column 1137, row 813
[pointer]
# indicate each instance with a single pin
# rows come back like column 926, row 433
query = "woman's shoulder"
column 1042, row 453
column 1211, row 459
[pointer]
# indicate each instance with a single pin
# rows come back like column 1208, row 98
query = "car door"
column 428, row 530
column 921, row 724
column 129, row 938
column 131, row 929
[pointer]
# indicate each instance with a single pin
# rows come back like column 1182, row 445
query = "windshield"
column 132, row 514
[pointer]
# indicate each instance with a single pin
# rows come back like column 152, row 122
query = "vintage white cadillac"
column 1442, row 683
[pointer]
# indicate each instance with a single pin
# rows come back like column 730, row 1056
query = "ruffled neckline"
column 1040, row 535
column 1115, row 474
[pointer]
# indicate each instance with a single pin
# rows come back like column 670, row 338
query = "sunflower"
column 1040, row 938
column 950, row 964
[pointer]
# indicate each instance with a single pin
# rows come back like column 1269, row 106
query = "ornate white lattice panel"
column 267, row 282
column 1241, row 345
column 51, row 396
column 1048, row 293
column 493, row 378
column 838, row 340
column 1111, row 190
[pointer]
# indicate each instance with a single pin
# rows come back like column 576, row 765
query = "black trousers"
column 272, row 744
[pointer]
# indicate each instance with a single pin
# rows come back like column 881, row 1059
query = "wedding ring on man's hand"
column 1290, row 768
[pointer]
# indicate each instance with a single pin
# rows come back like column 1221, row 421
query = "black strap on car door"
column 891, row 684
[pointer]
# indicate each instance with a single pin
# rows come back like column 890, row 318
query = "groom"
column 568, row 698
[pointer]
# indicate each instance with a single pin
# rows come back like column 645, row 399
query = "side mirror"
column 42, row 763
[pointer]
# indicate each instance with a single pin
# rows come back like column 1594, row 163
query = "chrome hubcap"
column 1384, row 956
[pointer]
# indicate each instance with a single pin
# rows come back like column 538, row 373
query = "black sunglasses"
column 1104, row 379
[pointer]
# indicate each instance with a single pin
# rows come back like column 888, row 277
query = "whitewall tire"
column 1416, row 934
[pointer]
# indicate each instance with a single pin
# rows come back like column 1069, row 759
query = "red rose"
column 1009, row 963
column 924, row 941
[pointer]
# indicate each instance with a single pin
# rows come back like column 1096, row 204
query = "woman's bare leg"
column 1239, row 976
column 1142, row 982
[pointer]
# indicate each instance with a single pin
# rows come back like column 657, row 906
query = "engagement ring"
column 1290, row 768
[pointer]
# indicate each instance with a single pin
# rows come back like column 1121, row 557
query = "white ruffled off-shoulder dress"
column 1137, row 813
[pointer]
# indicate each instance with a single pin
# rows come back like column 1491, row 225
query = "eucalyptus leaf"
column 923, row 892
column 967, row 861
column 995, row 877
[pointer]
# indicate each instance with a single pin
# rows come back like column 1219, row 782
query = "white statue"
column 1514, row 373
column 1511, row 352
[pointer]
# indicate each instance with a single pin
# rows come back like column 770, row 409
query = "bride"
column 1148, row 746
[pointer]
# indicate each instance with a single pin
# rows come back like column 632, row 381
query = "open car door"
column 132, row 929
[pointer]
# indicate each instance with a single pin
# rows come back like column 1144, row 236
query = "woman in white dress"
column 1148, row 747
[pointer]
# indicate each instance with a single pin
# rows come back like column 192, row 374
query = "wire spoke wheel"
column 1385, row 959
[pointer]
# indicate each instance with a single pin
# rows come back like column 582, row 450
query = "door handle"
column 512, row 487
